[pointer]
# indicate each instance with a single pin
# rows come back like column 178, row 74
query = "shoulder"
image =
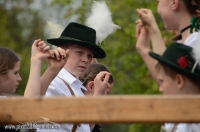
column 55, row 87
column 191, row 40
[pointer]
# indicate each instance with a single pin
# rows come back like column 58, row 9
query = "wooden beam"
column 107, row 109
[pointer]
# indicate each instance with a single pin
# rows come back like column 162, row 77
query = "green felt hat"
column 179, row 57
column 81, row 35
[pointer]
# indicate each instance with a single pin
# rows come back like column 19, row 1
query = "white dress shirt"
column 59, row 88
column 183, row 127
column 191, row 40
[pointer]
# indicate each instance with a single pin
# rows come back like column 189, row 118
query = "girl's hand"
column 101, row 83
column 146, row 17
column 40, row 50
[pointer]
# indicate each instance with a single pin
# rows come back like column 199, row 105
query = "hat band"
column 62, row 37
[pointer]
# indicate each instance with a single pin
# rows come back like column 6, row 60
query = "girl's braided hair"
column 193, row 7
column 92, row 72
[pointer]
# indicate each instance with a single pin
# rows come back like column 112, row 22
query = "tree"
column 19, row 27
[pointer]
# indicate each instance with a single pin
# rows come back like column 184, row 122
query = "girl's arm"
column 39, row 51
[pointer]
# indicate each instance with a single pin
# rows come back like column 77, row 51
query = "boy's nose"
column 85, row 59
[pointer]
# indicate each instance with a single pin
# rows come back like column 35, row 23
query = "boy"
column 176, row 76
column 80, row 40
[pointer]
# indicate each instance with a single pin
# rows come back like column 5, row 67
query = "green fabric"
column 194, row 25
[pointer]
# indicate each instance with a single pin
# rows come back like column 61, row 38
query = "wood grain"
column 106, row 109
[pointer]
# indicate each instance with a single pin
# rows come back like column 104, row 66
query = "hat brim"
column 165, row 61
column 98, row 52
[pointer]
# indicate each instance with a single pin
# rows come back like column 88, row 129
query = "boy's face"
column 167, row 85
column 79, row 60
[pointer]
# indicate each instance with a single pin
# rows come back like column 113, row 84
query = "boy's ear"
column 175, row 4
column 180, row 81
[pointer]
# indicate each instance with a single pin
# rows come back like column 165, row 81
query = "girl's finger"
column 36, row 42
column 46, row 48
column 107, row 76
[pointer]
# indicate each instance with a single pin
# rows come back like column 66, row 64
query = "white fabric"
column 59, row 88
column 191, row 40
column 183, row 127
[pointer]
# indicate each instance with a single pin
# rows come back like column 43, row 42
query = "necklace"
column 184, row 29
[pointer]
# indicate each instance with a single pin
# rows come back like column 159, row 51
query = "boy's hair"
column 8, row 59
column 193, row 7
column 172, row 74
column 92, row 72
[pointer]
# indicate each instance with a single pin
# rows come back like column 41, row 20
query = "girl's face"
column 9, row 82
column 90, row 88
column 79, row 60
column 166, row 12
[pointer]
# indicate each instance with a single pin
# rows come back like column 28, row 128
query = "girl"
column 89, row 76
column 9, row 71
column 88, row 81
column 176, row 15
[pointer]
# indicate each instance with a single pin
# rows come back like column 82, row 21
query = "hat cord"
column 195, row 65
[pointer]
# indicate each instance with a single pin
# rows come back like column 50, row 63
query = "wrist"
column 153, row 29
column 144, row 52
column 35, row 60
column 53, row 71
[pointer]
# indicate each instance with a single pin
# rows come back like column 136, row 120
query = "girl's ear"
column 90, row 86
column 175, row 4
column 180, row 81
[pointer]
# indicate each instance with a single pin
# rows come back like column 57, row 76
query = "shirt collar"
column 69, row 78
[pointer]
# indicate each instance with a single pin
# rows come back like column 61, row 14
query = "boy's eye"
column 79, row 52
column 90, row 56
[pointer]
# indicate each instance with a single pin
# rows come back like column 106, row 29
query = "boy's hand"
column 58, row 58
column 40, row 50
column 101, row 83
column 143, row 37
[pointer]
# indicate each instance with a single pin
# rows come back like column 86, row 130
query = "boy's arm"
column 33, row 86
column 54, row 66
column 149, row 21
column 143, row 48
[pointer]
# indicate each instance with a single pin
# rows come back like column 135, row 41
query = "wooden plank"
column 107, row 109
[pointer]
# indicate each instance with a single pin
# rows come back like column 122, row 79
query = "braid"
column 196, row 5
column 193, row 7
